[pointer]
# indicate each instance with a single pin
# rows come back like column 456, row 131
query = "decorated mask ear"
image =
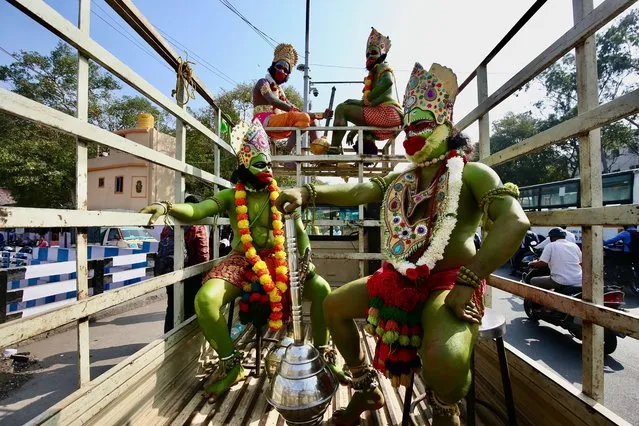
column 249, row 141
column 376, row 39
column 434, row 90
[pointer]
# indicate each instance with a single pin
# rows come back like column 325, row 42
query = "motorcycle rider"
column 569, row 237
column 630, row 254
column 563, row 258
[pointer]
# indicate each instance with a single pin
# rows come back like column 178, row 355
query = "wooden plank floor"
column 245, row 403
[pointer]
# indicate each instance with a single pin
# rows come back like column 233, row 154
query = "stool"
column 257, row 367
column 493, row 327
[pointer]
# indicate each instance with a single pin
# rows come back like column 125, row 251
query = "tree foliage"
column 37, row 163
column 617, row 67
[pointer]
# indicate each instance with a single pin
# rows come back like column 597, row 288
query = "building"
column 121, row 181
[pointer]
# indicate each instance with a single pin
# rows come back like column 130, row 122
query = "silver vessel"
column 303, row 386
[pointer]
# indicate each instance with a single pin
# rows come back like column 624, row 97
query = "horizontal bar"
column 25, row 217
column 601, row 315
column 587, row 216
column 32, row 110
column 338, row 222
column 365, row 128
column 25, row 328
column 599, row 17
column 607, row 113
column 340, row 158
column 349, row 256
column 49, row 18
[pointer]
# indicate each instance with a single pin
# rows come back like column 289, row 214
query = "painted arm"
column 509, row 221
column 344, row 195
column 504, row 238
column 188, row 212
column 379, row 92
column 269, row 96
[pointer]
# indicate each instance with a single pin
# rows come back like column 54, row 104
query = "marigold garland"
column 272, row 290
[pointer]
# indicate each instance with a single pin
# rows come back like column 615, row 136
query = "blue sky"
column 456, row 33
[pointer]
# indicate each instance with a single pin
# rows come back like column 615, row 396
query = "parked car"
column 126, row 237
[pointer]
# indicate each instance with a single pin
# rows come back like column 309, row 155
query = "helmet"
column 557, row 233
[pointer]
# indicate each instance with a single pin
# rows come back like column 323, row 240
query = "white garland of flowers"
column 445, row 223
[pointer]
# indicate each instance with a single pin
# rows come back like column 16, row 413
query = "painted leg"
column 210, row 299
column 446, row 355
column 343, row 114
column 340, row 308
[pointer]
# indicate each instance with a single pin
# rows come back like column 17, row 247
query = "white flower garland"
column 445, row 223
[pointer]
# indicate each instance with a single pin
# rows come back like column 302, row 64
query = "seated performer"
column 378, row 106
column 428, row 292
column 256, row 269
column 270, row 105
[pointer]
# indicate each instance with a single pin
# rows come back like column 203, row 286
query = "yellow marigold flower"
column 240, row 194
column 251, row 252
column 241, row 209
column 265, row 279
column 246, row 287
column 273, row 196
column 260, row 265
column 246, row 238
column 281, row 270
column 279, row 239
column 274, row 297
column 281, row 286
column 275, row 325
column 280, row 255
column 274, row 209
column 274, row 183
column 243, row 224
column 277, row 224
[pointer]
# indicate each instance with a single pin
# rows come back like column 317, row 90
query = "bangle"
column 168, row 207
column 468, row 278
column 219, row 204
column 381, row 184
column 312, row 193
column 163, row 205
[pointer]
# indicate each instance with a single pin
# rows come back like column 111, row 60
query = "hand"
column 292, row 199
column 350, row 138
column 294, row 109
column 155, row 210
column 460, row 301
column 328, row 113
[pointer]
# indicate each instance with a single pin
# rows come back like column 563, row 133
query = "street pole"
column 306, row 53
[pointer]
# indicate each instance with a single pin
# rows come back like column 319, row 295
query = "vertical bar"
column 360, row 179
column 81, row 193
column 216, row 188
column 298, row 164
column 591, row 196
column 484, row 146
column 178, row 234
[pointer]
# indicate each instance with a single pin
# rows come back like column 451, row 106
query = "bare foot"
column 220, row 386
column 360, row 402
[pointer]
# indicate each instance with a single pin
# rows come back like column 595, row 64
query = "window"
column 101, row 182
column 113, row 234
column 119, row 184
column 617, row 189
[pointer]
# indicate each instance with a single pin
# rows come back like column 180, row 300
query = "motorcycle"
column 613, row 298
column 518, row 262
column 619, row 273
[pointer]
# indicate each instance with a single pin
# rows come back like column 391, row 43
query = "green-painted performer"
column 378, row 106
column 427, row 296
column 256, row 270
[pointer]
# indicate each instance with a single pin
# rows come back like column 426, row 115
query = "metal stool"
column 493, row 327
column 257, row 367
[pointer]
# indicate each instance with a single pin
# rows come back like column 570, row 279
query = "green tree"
column 544, row 166
column 617, row 67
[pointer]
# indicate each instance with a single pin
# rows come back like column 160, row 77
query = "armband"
column 381, row 184
column 219, row 204
column 312, row 193
column 265, row 89
column 509, row 189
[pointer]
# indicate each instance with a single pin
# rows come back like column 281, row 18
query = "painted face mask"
column 376, row 46
column 282, row 71
column 284, row 60
column 253, row 151
column 428, row 108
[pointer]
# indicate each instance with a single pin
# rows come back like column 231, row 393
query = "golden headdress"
column 434, row 90
column 249, row 140
column 376, row 39
column 286, row 52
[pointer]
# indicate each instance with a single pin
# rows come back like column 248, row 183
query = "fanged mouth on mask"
column 242, row 174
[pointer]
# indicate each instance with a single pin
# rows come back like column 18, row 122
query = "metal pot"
column 303, row 386
column 274, row 357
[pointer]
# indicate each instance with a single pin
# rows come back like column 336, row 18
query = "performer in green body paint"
column 427, row 296
column 256, row 268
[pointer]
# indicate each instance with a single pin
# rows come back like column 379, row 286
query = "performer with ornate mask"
column 378, row 106
column 270, row 105
column 256, row 270
column 428, row 292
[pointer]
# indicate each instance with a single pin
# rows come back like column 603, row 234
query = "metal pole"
column 306, row 53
